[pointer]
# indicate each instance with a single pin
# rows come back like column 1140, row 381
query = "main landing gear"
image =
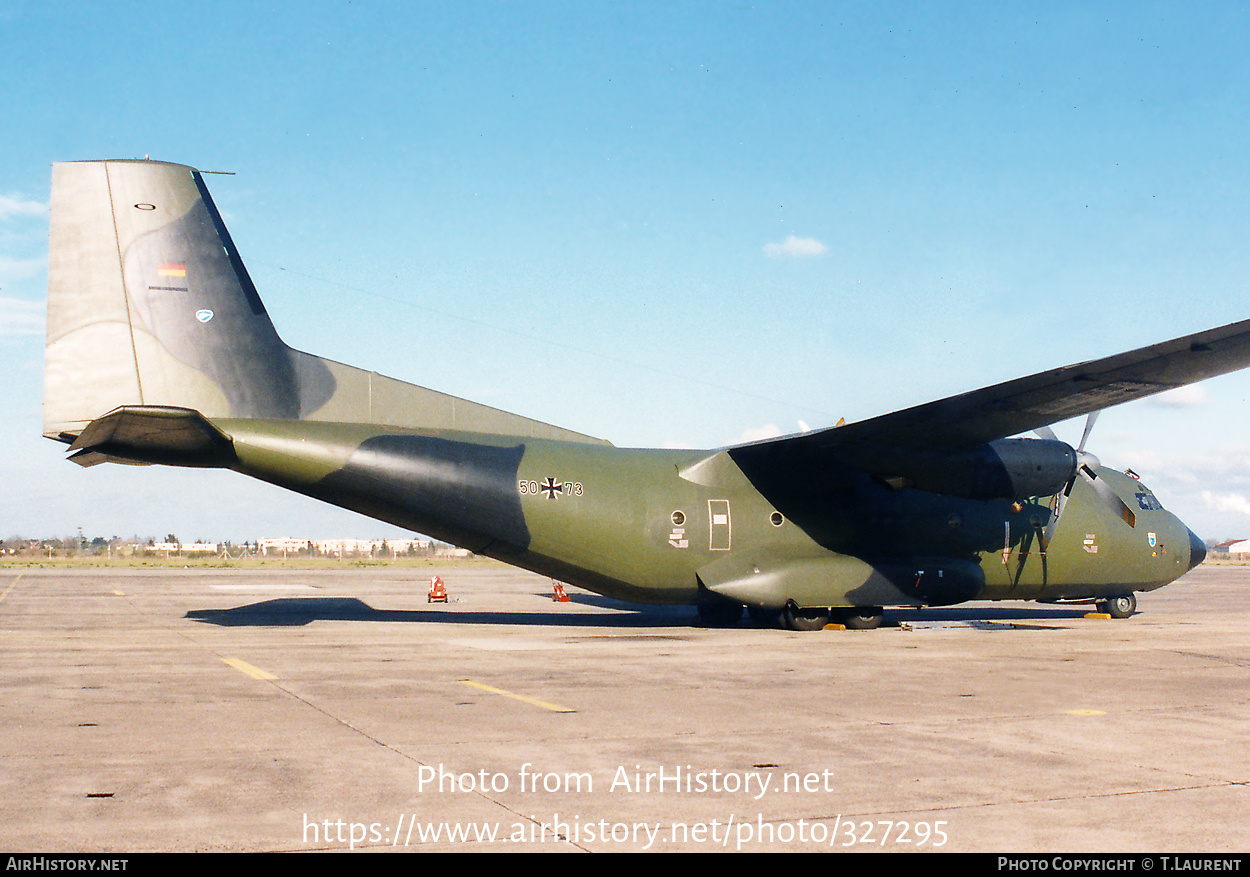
column 862, row 617
column 808, row 618
column 717, row 611
column 811, row 618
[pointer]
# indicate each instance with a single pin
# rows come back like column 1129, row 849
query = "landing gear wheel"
column 807, row 618
column 1118, row 607
column 862, row 617
column 719, row 612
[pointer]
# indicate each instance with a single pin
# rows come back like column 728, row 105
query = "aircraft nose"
column 1197, row 550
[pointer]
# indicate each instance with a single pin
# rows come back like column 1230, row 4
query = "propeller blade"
column 1047, row 433
column 1089, row 427
column 1055, row 514
column 1086, row 464
column 1110, row 498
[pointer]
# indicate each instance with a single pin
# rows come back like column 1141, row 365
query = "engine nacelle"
column 1002, row 469
column 1014, row 468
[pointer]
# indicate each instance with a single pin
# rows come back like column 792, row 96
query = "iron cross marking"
column 550, row 488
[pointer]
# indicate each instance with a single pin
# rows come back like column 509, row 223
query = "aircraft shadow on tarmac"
column 299, row 611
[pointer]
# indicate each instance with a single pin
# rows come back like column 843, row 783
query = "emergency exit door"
column 719, row 525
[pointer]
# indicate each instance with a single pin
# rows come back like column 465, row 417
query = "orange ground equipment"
column 438, row 591
column 558, row 595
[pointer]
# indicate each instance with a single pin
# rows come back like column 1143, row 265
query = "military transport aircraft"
column 159, row 350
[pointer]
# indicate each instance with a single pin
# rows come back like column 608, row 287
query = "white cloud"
column 11, row 206
column 795, row 248
column 1190, row 396
column 19, row 269
column 21, row 317
column 1226, row 502
column 759, row 434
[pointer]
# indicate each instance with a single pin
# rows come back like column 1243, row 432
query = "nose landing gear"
column 1118, row 607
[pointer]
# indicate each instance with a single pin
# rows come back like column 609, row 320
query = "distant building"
column 342, row 547
column 283, row 546
column 185, row 547
column 1238, row 548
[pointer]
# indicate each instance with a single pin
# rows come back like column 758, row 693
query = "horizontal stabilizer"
column 153, row 434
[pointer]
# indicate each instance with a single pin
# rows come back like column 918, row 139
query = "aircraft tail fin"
column 150, row 306
column 149, row 303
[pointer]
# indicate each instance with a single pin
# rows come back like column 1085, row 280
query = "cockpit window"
column 1145, row 499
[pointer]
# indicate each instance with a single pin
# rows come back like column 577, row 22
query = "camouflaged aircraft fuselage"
column 160, row 351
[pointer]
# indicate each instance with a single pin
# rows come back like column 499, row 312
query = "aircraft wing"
column 971, row 419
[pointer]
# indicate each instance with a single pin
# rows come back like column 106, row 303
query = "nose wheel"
column 1118, row 607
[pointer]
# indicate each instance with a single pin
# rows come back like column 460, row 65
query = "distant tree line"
column 118, row 546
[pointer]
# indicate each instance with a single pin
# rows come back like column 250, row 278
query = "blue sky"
column 682, row 224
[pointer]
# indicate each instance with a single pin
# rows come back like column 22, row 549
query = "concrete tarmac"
column 303, row 710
